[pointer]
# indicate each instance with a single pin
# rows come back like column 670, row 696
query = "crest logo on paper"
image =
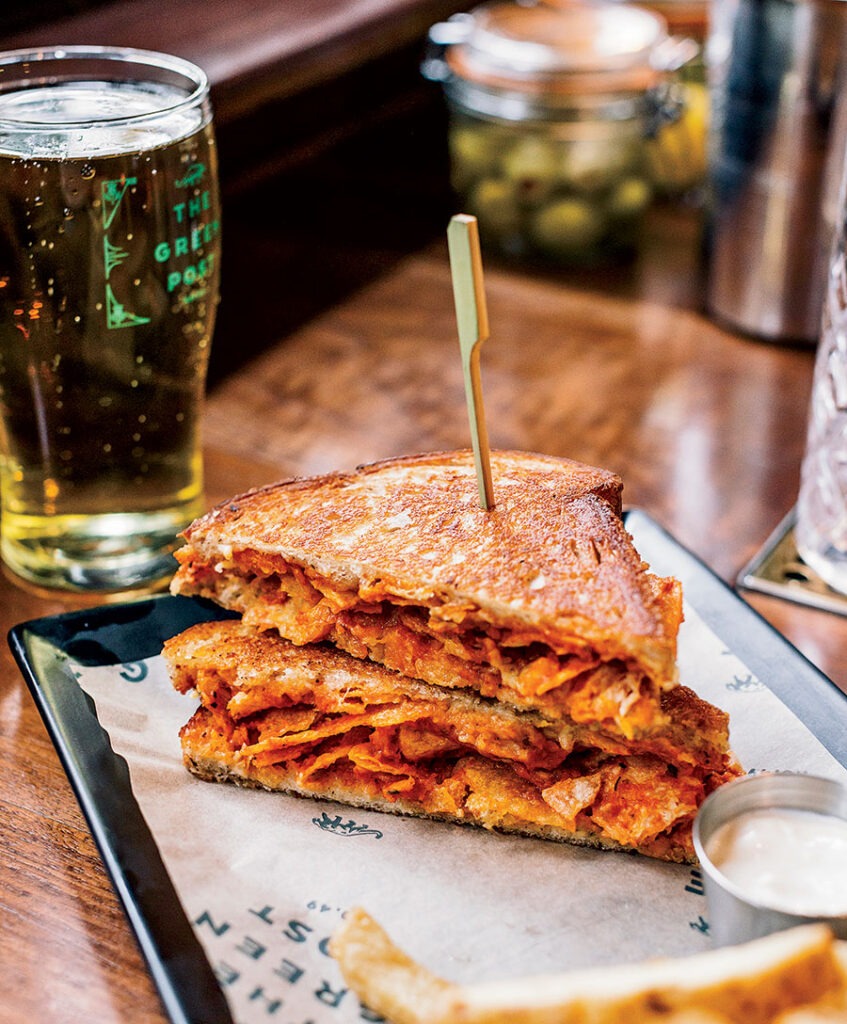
column 340, row 827
column 134, row 671
column 747, row 684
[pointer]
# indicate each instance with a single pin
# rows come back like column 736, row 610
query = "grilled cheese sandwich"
column 534, row 626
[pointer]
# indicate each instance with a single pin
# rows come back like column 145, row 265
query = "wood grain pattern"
column 706, row 428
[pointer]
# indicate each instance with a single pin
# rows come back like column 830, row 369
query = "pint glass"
column 109, row 269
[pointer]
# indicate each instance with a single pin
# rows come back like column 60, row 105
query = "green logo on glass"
column 193, row 176
column 112, row 193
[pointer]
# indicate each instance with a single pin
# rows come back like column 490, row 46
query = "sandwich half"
column 513, row 667
column 316, row 722
column 542, row 603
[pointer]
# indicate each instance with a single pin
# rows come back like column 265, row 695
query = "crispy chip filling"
column 498, row 772
column 443, row 646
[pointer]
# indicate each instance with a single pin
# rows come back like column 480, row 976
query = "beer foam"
column 72, row 120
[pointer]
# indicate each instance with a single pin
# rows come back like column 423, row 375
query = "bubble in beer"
column 87, row 172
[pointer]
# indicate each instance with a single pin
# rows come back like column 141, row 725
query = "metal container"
column 733, row 916
column 777, row 72
column 550, row 106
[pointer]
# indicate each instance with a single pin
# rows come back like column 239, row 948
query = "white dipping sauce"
column 786, row 859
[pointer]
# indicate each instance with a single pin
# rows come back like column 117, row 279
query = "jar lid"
column 559, row 46
column 683, row 17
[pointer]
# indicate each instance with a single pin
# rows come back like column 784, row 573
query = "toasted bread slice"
column 790, row 977
column 542, row 602
column 313, row 721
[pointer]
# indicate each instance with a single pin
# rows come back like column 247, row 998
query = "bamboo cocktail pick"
column 472, row 319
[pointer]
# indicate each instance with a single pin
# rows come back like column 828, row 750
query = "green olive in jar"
column 531, row 164
column 593, row 165
column 473, row 154
column 566, row 226
column 629, row 199
column 493, row 202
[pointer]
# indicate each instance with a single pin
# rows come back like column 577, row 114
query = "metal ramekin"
column 733, row 916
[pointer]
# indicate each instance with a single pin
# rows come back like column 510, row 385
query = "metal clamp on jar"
column 550, row 109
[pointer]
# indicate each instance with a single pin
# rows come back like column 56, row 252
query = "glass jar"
column 550, row 108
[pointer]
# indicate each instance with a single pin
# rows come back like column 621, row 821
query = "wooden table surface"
column 621, row 370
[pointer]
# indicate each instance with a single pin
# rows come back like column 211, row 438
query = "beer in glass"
column 109, row 269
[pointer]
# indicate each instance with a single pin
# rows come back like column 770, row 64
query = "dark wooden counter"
column 252, row 50
column 620, row 369
column 287, row 80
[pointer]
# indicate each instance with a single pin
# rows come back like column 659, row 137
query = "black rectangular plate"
column 131, row 632
column 100, row 779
